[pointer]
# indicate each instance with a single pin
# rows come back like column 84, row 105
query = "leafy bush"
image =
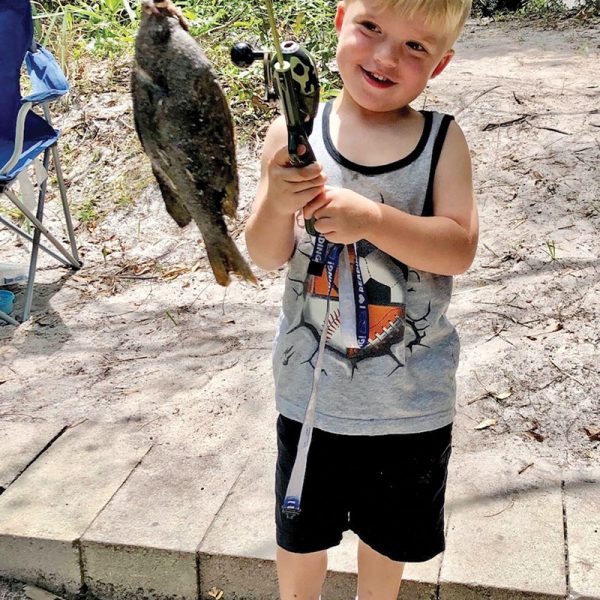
column 487, row 8
column 544, row 7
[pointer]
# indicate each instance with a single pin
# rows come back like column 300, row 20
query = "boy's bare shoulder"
column 455, row 135
column 455, row 151
column 453, row 184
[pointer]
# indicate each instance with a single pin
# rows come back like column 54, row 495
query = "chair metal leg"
column 65, row 203
column 36, row 241
column 29, row 238
column 39, row 226
column 30, row 281
column 8, row 319
column 61, row 187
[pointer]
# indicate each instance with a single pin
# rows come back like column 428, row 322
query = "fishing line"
column 274, row 32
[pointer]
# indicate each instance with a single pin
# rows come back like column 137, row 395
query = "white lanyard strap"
column 347, row 303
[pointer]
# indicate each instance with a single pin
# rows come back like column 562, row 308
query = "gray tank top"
column 403, row 381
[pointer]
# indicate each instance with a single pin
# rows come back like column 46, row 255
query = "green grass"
column 88, row 213
column 550, row 249
column 107, row 29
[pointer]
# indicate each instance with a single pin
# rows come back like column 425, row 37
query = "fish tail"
column 225, row 258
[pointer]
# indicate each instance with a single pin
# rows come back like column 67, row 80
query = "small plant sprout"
column 550, row 249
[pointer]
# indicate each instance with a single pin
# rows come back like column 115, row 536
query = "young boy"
column 394, row 186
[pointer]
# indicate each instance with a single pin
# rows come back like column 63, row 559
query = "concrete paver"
column 45, row 512
column 238, row 552
column 20, row 443
column 101, row 507
column 505, row 536
column 143, row 544
column 582, row 504
column 419, row 581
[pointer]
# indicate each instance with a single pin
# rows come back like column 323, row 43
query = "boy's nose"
column 386, row 55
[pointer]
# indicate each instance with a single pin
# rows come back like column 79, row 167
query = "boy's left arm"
column 444, row 244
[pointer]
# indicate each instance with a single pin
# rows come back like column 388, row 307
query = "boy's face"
column 386, row 60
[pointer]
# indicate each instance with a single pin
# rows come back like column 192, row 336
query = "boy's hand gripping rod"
column 297, row 86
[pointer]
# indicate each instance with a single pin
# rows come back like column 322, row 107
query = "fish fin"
column 138, row 130
column 229, row 201
column 174, row 207
column 225, row 258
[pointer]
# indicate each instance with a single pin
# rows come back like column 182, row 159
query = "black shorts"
column 388, row 489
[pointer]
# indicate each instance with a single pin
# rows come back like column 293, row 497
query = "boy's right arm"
column 282, row 192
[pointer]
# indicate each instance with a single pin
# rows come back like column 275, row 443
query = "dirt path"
column 142, row 334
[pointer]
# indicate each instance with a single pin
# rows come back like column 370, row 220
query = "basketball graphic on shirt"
column 385, row 285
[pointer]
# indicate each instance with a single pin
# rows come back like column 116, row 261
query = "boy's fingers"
column 306, row 196
column 314, row 205
column 296, row 175
column 324, row 226
column 282, row 157
column 309, row 183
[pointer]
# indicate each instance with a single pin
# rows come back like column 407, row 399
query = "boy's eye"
column 370, row 26
column 416, row 46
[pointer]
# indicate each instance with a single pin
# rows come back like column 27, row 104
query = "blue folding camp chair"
column 25, row 135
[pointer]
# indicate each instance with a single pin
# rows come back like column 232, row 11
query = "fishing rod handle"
column 296, row 139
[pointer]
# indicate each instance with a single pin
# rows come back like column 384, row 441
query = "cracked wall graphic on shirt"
column 392, row 331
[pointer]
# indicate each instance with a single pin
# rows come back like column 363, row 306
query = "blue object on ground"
column 6, row 301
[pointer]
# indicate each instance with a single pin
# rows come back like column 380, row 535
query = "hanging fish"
column 184, row 124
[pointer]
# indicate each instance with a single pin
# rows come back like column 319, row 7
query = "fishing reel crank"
column 243, row 55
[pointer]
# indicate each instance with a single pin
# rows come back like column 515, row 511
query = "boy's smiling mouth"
column 376, row 79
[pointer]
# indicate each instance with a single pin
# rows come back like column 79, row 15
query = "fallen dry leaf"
column 538, row 437
column 593, row 433
column 175, row 272
column 486, row 423
column 503, row 395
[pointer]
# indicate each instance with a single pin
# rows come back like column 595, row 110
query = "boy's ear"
column 339, row 16
column 443, row 63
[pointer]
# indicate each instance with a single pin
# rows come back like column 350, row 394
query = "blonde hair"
column 449, row 15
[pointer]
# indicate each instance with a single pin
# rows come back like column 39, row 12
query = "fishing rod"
column 291, row 75
column 294, row 72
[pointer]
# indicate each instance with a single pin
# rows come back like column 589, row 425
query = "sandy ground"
column 143, row 335
column 11, row 590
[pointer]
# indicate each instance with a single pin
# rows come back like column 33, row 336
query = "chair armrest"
column 19, row 138
column 48, row 82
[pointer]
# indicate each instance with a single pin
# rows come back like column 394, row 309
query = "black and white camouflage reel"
column 305, row 80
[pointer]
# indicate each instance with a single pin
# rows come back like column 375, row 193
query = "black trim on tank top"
column 435, row 157
column 379, row 169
